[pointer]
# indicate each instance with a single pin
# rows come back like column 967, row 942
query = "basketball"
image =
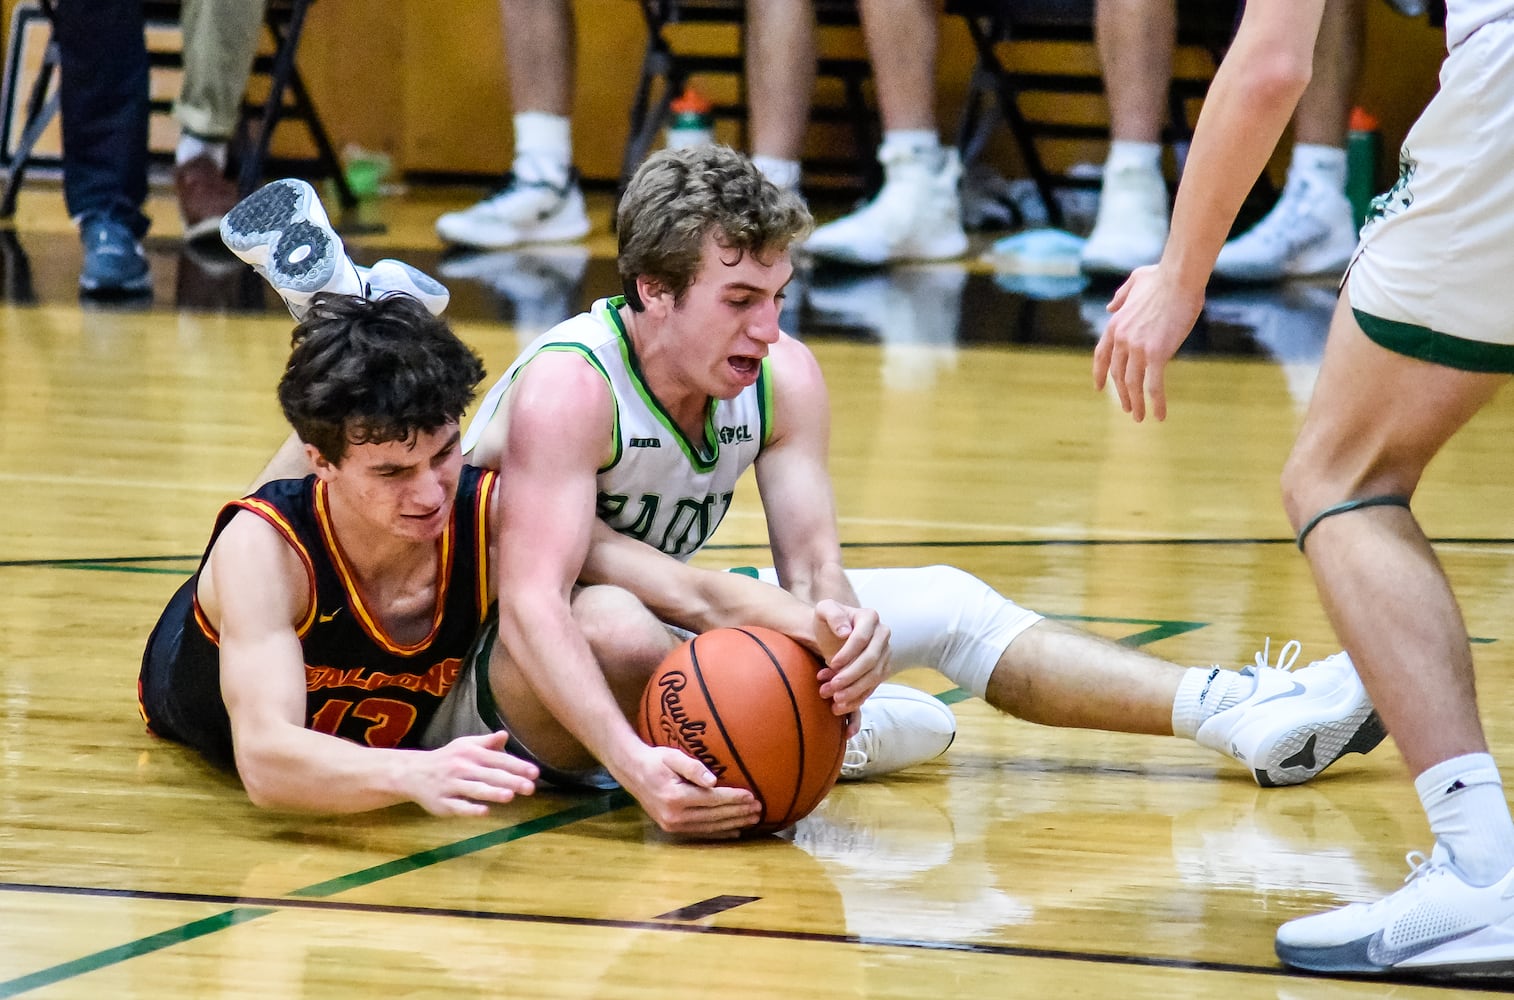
column 746, row 703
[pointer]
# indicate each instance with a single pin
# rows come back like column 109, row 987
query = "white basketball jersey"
column 656, row 485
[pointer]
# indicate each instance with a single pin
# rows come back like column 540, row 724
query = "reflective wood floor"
column 1026, row 862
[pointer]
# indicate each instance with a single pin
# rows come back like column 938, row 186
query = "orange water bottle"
column 692, row 123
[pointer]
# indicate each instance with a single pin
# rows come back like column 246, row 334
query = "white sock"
column 1327, row 163
column 918, row 144
column 543, row 147
column 1125, row 154
column 783, row 173
column 191, row 146
column 1205, row 691
column 1464, row 801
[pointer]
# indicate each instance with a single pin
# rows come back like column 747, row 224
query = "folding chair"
column 666, row 71
column 995, row 23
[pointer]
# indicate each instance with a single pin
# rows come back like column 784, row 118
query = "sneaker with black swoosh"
column 1437, row 924
column 1295, row 723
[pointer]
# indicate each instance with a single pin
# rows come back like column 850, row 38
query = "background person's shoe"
column 520, row 212
column 205, row 195
column 917, row 215
column 1310, row 231
column 1130, row 229
column 114, row 263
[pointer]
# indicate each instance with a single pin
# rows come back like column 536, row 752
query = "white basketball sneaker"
column 283, row 232
column 917, row 214
column 1295, row 723
column 1435, row 924
column 1130, row 229
column 901, row 727
column 1310, row 231
column 395, row 277
column 520, row 212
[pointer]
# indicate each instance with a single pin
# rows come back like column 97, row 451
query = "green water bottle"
column 1364, row 150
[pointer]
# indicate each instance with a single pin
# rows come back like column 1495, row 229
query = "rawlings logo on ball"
column 681, row 731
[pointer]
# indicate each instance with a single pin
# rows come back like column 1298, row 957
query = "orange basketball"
column 746, row 703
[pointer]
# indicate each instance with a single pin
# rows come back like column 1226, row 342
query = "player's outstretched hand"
column 468, row 775
column 855, row 646
column 680, row 795
column 1152, row 314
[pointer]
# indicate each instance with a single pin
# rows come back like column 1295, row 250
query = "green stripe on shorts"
column 1437, row 348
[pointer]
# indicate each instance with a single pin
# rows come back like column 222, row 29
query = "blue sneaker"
column 114, row 263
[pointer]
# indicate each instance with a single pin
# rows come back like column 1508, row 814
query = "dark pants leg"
column 105, row 106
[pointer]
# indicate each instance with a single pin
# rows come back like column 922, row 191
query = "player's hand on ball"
column 680, row 795
column 854, row 643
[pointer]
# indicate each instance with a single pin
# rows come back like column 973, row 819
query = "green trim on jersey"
column 691, row 451
column 1438, row 348
column 617, row 448
column 765, row 399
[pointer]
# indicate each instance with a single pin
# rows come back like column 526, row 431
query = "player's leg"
column 1286, row 725
column 780, row 75
column 491, row 693
column 1376, row 421
column 1423, row 338
column 540, row 200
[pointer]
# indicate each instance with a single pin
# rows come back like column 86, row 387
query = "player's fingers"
column 1120, row 295
column 1156, row 387
column 1135, row 383
column 687, row 768
column 458, row 806
column 1117, row 375
column 1101, row 359
column 835, row 617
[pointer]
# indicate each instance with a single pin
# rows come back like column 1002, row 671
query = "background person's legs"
column 1136, row 40
column 541, row 201
column 917, row 214
column 220, row 43
column 1311, row 230
column 780, row 77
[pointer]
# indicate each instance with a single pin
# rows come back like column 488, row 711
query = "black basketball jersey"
column 361, row 684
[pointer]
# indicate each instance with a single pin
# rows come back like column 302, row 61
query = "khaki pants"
column 220, row 41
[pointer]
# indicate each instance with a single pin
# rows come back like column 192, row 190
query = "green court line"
column 132, row 949
column 596, row 806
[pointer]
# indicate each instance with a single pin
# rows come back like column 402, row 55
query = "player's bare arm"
column 1247, row 107
column 793, row 478
column 558, row 425
column 255, row 590
column 850, row 639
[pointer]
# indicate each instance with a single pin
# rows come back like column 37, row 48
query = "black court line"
column 707, row 907
column 260, row 904
column 108, row 562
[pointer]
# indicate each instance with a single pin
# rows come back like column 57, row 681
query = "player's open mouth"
column 745, row 368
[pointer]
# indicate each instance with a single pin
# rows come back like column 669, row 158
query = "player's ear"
column 654, row 295
column 319, row 464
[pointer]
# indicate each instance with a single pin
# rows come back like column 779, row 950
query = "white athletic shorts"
column 1433, row 277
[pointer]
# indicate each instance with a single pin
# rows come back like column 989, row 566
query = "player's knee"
column 626, row 638
column 949, row 582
